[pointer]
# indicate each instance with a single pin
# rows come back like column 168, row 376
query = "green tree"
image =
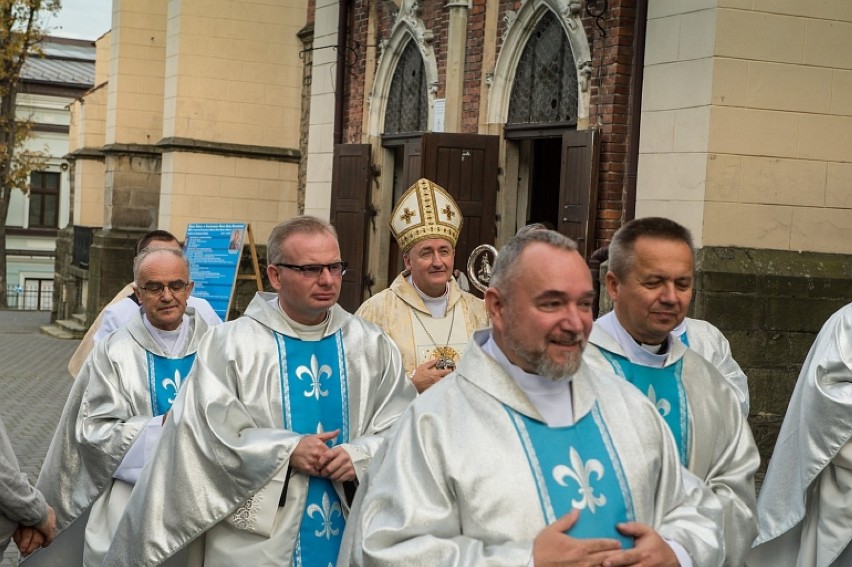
column 21, row 32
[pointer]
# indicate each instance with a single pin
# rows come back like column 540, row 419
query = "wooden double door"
column 463, row 164
column 562, row 189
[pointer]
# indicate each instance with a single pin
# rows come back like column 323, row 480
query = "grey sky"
column 82, row 19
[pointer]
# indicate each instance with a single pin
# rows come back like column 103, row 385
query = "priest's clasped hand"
column 553, row 548
column 313, row 457
column 649, row 550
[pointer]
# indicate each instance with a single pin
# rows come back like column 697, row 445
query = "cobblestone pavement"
column 34, row 383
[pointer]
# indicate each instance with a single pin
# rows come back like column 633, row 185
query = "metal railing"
column 30, row 300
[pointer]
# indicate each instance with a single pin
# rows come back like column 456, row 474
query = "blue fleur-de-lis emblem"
column 174, row 385
column 326, row 514
column 315, row 374
column 663, row 406
column 581, row 473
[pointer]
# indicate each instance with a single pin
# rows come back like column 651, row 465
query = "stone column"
column 131, row 202
column 456, row 50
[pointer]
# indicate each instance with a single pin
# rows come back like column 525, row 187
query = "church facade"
column 730, row 117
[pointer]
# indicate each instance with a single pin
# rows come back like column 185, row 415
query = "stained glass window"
column 407, row 101
column 545, row 87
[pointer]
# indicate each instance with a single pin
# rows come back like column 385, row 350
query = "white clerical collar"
column 680, row 329
column 172, row 342
column 635, row 352
column 304, row 332
column 552, row 399
column 437, row 306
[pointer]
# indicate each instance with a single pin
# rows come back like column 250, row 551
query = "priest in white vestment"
column 424, row 310
column 269, row 438
column 707, row 340
column 650, row 281
column 125, row 306
column 525, row 455
column 805, row 507
column 115, row 410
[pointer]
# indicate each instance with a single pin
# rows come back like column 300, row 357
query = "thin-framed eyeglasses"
column 158, row 288
column 314, row 271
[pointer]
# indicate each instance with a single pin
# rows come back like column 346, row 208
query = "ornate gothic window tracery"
column 545, row 85
column 407, row 100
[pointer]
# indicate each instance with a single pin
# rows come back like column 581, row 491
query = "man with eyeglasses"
column 286, row 409
column 116, row 409
column 424, row 311
column 125, row 305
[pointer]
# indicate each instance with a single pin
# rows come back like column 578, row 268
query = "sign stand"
column 255, row 264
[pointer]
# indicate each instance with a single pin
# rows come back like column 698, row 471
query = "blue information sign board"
column 214, row 252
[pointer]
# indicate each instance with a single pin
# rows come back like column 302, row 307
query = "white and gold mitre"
column 425, row 211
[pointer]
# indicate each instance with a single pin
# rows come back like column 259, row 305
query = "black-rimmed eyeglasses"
column 314, row 270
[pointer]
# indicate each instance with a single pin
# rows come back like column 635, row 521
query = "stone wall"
column 110, row 266
column 132, row 196
column 132, row 181
column 64, row 284
column 770, row 305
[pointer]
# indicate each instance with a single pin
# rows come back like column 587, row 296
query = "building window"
column 37, row 294
column 407, row 101
column 545, row 87
column 44, row 200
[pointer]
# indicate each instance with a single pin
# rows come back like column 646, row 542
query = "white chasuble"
column 315, row 399
column 455, row 485
column 804, row 510
column 164, row 378
column 127, row 380
column 227, row 441
column 703, row 412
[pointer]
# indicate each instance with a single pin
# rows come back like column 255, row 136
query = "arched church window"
column 545, row 87
column 407, row 101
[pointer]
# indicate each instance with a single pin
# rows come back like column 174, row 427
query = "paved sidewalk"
column 34, row 383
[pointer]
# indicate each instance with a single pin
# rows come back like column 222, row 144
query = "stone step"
column 72, row 326
column 80, row 318
column 57, row 332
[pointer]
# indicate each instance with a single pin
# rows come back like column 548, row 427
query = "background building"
column 48, row 85
column 194, row 118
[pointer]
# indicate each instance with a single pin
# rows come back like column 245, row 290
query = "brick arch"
column 520, row 27
column 408, row 27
